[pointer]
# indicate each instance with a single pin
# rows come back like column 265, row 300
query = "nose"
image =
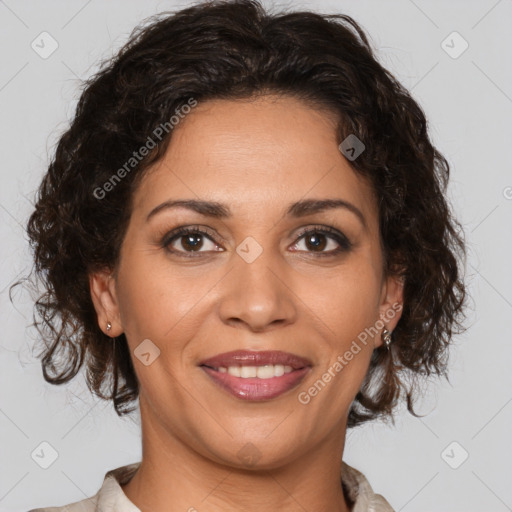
column 257, row 296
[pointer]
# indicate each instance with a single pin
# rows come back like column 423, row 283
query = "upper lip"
column 256, row 358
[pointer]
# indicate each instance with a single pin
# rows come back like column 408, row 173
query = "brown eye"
column 323, row 240
column 190, row 240
column 315, row 241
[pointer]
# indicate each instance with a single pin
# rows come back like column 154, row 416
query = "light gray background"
column 468, row 101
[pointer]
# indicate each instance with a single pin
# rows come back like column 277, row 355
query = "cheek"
column 347, row 304
column 156, row 303
column 346, row 300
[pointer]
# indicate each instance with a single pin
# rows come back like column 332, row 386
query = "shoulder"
column 110, row 496
column 87, row 505
column 360, row 492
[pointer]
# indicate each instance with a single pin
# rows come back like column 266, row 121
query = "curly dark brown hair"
column 235, row 50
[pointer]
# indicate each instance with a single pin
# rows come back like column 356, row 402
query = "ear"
column 391, row 304
column 103, row 294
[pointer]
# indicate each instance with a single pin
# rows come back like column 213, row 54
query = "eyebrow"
column 221, row 211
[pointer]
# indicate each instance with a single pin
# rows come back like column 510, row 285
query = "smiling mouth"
column 256, row 382
column 267, row 371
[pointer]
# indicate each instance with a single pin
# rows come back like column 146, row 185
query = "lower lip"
column 254, row 388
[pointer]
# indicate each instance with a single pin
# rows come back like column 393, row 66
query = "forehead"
column 256, row 153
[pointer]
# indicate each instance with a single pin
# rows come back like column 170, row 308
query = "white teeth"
column 234, row 370
column 268, row 371
column 261, row 372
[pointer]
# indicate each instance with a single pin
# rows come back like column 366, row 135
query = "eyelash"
column 344, row 243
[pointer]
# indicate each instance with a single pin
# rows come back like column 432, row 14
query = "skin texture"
column 255, row 156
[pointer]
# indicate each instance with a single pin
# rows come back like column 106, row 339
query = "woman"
column 245, row 228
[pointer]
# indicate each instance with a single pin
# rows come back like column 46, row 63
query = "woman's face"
column 253, row 282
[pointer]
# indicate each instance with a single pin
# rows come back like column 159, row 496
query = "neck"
column 173, row 477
